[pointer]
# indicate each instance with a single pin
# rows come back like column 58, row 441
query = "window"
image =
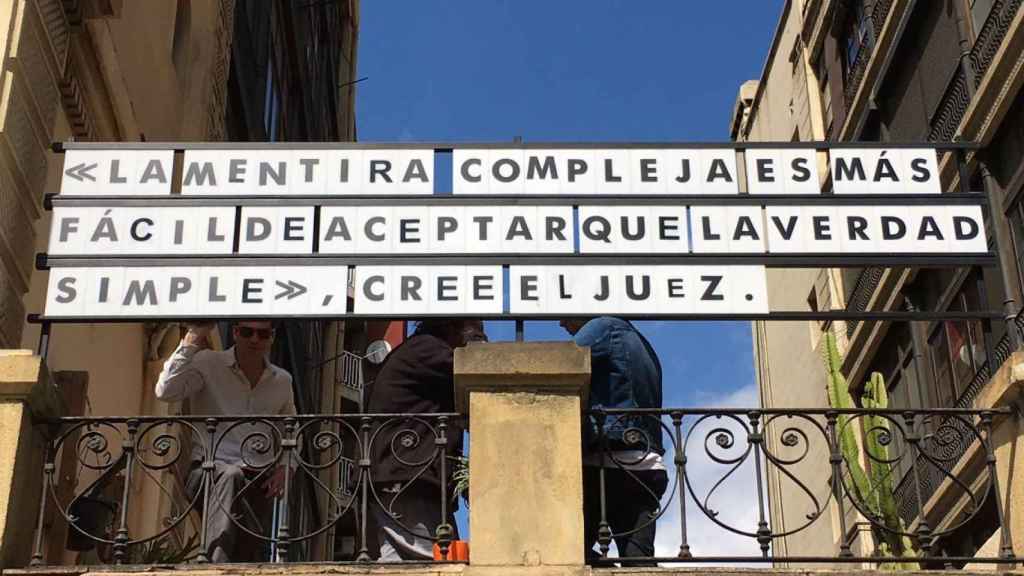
column 826, row 103
column 856, row 36
column 957, row 347
column 816, row 327
column 895, row 362
column 271, row 105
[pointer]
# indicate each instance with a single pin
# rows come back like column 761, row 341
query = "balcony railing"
column 991, row 35
column 719, row 463
column 860, row 296
column 336, row 471
column 350, row 376
column 337, row 474
column 931, row 479
column 956, row 99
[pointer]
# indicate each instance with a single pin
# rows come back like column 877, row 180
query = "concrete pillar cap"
column 20, row 371
column 539, row 367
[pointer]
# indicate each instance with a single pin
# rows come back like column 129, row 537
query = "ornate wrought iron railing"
column 717, row 467
column 248, row 471
column 957, row 98
column 931, row 479
column 991, row 35
column 350, row 371
column 860, row 296
column 716, row 464
column 951, row 109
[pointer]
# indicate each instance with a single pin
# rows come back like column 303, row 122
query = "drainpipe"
column 966, row 41
column 1004, row 250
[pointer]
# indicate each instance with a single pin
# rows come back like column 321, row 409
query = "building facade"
column 892, row 71
column 160, row 70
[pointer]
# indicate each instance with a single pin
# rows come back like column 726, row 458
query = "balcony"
column 135, row 493
column 349, row 376
column 141, row 490
column 132, row 505
column 956, row 450
column 945, row 122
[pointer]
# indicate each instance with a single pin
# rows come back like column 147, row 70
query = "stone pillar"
column 25, row 393
column 526, row 494
column 1006, row 390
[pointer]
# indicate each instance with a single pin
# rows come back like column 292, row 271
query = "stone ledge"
column 296, row 569
column 24, row 377
column 430, row 569
column 19, row 372
column 1004, row 389
column 768, row 571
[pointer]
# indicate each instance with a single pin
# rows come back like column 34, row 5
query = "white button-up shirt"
column 214, row 385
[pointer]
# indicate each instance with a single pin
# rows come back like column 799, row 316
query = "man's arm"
column 180, row 378
column 595, row 335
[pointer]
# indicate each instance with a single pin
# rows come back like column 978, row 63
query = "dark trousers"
column 632, row 501
column 229, row 507
column 407, row 528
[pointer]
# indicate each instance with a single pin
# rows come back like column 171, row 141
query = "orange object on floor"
column 458, row 551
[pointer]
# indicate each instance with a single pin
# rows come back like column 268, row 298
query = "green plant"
column 460, row 477
column 873, row 489
column 165, row 550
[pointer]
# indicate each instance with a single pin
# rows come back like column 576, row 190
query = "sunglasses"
column 262, row 333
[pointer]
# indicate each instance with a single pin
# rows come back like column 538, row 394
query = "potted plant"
column 459, row 549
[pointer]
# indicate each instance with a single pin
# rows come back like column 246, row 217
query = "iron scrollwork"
column 716, row 454
column 708, row 455
column 329, row 459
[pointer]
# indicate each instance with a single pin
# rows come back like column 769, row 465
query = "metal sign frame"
column 962, row 152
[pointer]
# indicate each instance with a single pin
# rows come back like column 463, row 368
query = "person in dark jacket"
column 624, row 373
column 416, row 378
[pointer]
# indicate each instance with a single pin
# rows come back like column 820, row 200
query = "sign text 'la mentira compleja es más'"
column 322, row 232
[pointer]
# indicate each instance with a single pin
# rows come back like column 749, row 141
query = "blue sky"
column 594, row 70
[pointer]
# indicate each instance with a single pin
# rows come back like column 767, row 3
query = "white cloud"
column 734, row 500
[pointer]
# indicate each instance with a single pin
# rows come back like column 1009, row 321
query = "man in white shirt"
column 238, row 381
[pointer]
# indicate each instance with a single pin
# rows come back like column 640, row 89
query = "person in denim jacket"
column 625, row 373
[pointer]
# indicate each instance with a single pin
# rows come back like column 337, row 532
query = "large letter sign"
column 504, row 232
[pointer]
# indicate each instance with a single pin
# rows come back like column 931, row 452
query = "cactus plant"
column 873, row 489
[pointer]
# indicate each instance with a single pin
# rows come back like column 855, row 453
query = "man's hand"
column 274, row 486
column 199, row 334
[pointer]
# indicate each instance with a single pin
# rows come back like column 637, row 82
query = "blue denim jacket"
column 625, row 373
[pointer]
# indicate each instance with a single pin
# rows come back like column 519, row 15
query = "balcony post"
column 25, row 397
column 524, row 401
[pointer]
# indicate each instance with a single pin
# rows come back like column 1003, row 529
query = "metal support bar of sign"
column 43, row 348
column 958, row 199
column 778, row 315
column 45, row 262
column 60, row 147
